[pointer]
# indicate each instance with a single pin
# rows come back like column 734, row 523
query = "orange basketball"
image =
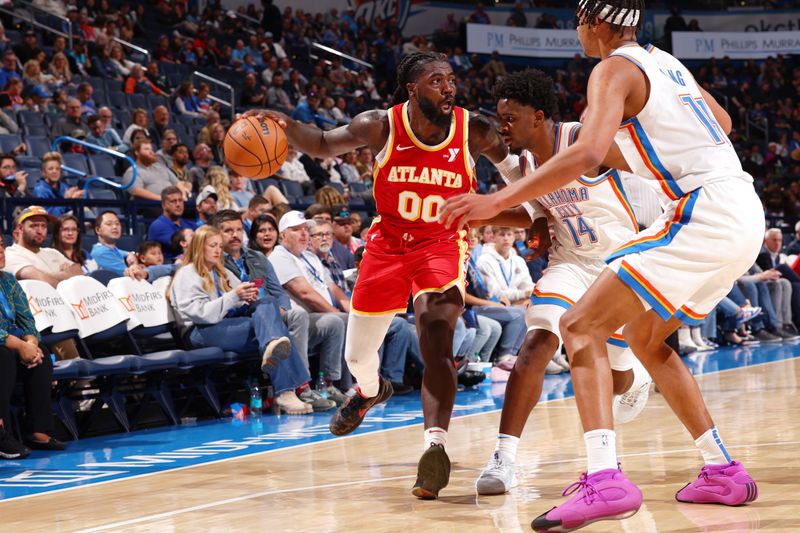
column 255, row 147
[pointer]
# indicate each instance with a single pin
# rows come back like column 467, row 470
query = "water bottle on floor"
column 321, row 385
column 255, row 400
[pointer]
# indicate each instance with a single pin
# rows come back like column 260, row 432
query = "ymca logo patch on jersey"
column 453, row 154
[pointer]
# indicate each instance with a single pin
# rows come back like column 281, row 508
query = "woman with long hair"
column 139, row 120
column 218, row 178
column 122, row 65
column 67, row 240
column 216, row 140
column 59, row 69
column 263, row 235
column 186, row 103
column 220, row 310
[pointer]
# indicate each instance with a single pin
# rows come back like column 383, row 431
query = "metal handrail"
column 95, row 179
column 133, row 46
column 30, row 19
column 342, row 55
column 232, row 103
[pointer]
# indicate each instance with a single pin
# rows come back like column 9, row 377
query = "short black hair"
column 530, row 87
column 176, row 147
column 591, row 9
column 99, row 220
column 144, row 246
column 226, row 215
column 175, row 241
column 410, row 68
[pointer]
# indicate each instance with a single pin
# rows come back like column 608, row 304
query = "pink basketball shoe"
column 728, row 484
column 604, row 495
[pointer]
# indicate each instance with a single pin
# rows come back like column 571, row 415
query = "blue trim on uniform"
column 686, row 319
column 591, row 182
column 654, row 160
column 617, row 179
column 674, row 228
column 558, row 137
column 540, row 300
column 644, row 294
column 573, row 133
column 617, row 342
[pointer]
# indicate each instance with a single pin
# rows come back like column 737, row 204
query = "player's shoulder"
column 373, row 116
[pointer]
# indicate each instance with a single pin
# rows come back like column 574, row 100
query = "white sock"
column 712, row 448
column 601, row 449
column 364, row 337
column 506, row 447
column 435, row 436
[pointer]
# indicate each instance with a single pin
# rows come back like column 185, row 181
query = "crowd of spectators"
column 241, row 254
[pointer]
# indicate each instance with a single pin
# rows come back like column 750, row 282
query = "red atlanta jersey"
column 412, row 179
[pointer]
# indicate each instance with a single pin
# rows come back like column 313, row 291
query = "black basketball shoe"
column 350, row 415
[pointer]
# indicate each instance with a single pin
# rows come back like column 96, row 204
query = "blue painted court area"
column 119, row 456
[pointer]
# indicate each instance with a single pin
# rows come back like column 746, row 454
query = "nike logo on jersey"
column 453, row 154
column 402, row 148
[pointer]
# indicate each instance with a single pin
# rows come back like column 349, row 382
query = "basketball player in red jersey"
column 426, row 149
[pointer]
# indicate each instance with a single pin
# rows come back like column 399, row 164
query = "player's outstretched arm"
column 609, row 85
column 370, row 128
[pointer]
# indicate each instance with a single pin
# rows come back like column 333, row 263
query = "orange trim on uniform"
column 421, row 145
column 660, row 178
column 621, row 197
column 693, row 314
column 378, row 313
column 648, row 287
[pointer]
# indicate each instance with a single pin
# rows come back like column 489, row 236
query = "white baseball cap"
column 293, row 219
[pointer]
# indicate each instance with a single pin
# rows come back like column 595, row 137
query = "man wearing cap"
column 274, row 48
column 206, row 203
column 28, row 259
column 306, row 110
column 310, row 286
column 344, row 244
column 152, row 176
column 71, row 120
column 171, row 220
column 27, row 49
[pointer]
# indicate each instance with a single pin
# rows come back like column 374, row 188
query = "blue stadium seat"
column 96, row 83
column 9, row 141
column 31, row 118
column 28, row 162
column 38, row 145
column 357, row 186
column 357, row 202
column 113, row 85
column 103, row 276
column 336, row 185
column 33, row 176
column 39, row 130
column 103, row 165
column 292, row 189
column 155, row 100
column 129, row 242
column 76, row 161
column 137, row 100
column 117, row 100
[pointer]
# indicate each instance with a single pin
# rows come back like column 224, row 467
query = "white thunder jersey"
column 662, row 143
column 591, row 216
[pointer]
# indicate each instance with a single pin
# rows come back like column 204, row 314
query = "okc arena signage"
column 527, row 42
column 736, row 45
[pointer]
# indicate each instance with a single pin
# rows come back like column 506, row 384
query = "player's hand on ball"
column 280, row 118
column 459, row 210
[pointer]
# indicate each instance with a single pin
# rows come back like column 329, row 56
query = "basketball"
column 255, row 147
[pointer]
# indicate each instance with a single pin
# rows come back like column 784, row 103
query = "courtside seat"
column 201, row 357
column 71, row 369
column 64, row 373
column 151, row 362
column 113, row 365
column 232, row 358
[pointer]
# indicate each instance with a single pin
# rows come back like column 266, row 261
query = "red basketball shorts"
column 388, row 277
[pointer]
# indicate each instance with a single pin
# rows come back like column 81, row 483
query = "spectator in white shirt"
column 506, row 274
column 293, row 170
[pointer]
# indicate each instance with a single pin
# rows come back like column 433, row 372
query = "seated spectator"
column 139, row 120
column 137, row 82
column 13, row 182
column 215, row 144
column 29, row 259
column 320, row 213
column 330, row 196
column 306, row 110
column 156, row 78
column 84, row 94
column 345, row 244
column 793, row 248
column 505, row 273
column 107, row 138
column 9, row 69
column 258, row 205
column 321, row 235
column 294, row 170
column 168, row 141
column 253, row 95
column 149, row 253
column 171, row 220
column 122, row 65
column 186, row 103
column 21, row 359
column 150, row 263
column 152, row 176
column 218, row 178
column 71, row 120
column 179, row 165
column 347, row 168
column 220, row 310
column 203, row 160
column 206, row 202
column 67, row 240
column 204, row 135
column 161, row 125
column 241, row 195
column 59, row 70
column 51, row 187
column 309, row 286
column 277, row 95
column 264, row 234
column 105, row 251
column 180, row 242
